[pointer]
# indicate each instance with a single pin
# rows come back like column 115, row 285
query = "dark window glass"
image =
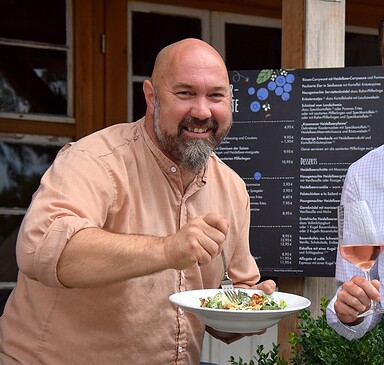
column 139, row 104
column 33, row 80
column 361, row 50
column 251, row 47
column 9, row 228
column 151, row 32
column 21, row 168
column 33, row 20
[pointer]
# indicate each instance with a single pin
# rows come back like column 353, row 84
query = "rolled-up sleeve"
column 76, row 192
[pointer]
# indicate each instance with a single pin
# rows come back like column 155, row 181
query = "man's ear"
column 149, row 93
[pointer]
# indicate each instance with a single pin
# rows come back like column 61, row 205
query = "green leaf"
column 263, row 76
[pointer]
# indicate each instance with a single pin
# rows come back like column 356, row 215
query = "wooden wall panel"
column 89, row 95
column 37, row 127
column 364, row 13
column 293, row 34
column 265, row 8
column 116, row 76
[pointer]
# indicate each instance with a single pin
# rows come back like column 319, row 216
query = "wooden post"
column 313, row 34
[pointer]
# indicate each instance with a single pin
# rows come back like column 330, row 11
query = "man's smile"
column 197, row 130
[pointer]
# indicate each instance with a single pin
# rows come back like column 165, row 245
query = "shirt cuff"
column 51, row 246
column 349, row 332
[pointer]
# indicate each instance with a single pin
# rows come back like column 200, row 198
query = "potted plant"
column 315, row 343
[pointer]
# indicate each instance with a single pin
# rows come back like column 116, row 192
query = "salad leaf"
column 247, row 302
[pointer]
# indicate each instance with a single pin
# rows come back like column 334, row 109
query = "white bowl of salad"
column 257, row 311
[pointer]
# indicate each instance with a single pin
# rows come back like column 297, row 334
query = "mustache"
column 198, row 123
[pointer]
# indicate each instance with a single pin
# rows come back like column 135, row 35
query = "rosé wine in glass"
column 360, row 240
column 362, row 256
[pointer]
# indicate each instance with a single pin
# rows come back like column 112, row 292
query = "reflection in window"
column 21, row 167
column 10, row 101
column 37, row 79
column 35, row 57
column 23, row 160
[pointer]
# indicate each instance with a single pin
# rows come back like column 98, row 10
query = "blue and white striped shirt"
column 364, row 181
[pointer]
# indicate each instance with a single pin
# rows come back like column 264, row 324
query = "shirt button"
column 180, row 349
column 173, row 169
column 181, row 311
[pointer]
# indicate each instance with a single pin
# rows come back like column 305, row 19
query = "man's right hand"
column 355, row 298
column 198, row 241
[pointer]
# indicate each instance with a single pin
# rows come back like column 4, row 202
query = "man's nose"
column 201, row 109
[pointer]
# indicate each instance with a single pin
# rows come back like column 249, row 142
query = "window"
column 151, row 28
column 23, row 160
column 36, row 88
column 361, row 47
column 36, row 60
column 247, row 42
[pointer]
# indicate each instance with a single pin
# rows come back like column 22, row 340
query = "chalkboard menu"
column 294, row 134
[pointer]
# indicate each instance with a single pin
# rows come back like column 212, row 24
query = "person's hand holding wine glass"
column 360, row 243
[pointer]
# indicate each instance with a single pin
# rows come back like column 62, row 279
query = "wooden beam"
column 365, row 13
column 324, row 33
column 293, row 24
column 116, row 62
column 37, row 127
column 89, row 83
column 312, row 37
column 265, row 8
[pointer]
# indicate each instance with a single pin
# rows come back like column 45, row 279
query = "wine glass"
column 360, row 241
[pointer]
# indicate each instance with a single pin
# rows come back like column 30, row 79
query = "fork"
column 227, row 283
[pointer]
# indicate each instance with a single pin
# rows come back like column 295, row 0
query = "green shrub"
column 263, row 358
column 318, row 344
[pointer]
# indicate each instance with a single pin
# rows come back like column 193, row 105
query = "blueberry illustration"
column 280, row 80
column 255, row 106
column 290, row 78
column 262, row 93
column 271, row 85
column 257, row 175
column 279, row 90
column 287, row 88
column 251, row 90
column 285, row 96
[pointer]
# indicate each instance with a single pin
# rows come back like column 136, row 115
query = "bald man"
column 124, row 218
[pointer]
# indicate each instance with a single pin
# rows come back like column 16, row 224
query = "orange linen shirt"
column 118, row 180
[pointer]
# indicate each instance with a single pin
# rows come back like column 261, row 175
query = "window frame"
column 219, row 20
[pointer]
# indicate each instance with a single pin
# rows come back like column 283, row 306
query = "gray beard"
column 191, row 154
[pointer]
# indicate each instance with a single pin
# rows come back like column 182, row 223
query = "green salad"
column 247, row 302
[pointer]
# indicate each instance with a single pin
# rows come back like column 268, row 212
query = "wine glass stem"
column 368, row 277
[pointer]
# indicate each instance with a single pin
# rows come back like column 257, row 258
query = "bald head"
column 188, row 103
column 187, row 52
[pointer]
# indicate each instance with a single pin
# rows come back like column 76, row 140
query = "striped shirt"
column 364, row 181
